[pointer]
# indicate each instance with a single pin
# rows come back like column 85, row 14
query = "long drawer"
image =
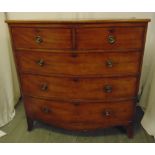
column 42, row 38
column 110, row 64
column 82, row 116
column 109, row 38
column 79, row 88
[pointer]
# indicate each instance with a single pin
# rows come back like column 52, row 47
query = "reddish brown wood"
column 29, row 124
column 125, row 38
column 82, row 115
column 77, row 21
column 78, row 88
column 82, row 64
column 129, row 130
column 51, row 38
column 73, row 77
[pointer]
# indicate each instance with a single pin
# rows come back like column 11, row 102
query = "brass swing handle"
column 111, row 39
column 44, row 87
column 107, row 89
column 46, row 110
column 106, row 113
column 40, row 62
column 109, row 63
column 38, row 39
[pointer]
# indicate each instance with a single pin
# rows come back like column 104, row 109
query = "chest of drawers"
column 79, row 75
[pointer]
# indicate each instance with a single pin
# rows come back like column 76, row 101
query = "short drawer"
column 41, row 38
column 82, row 64
column 117, row 38
column 79, row 88
column 80, row 116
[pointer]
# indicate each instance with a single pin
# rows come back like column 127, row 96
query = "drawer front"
column 42, row 38
column 80, row 64
column 79, row 88
column 91, row 115
column 110, row 38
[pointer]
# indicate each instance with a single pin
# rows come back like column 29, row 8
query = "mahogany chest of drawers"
column 79, row 75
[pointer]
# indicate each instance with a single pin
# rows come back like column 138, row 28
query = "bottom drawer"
column 80, row 116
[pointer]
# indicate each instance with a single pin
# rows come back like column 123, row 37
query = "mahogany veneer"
column 79, row 75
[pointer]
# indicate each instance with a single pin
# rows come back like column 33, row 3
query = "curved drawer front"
column 42, row 38
column 110, row 38
column 80, row 64
column 79, row 88
column 71, row 115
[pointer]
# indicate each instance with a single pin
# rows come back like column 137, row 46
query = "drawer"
column 42, row 38
column 109, row 64
column 108, row 38
column 82, row 115
column 79, row 88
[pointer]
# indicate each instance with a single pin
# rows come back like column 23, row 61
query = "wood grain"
column 130, row 20
column 126, row 38
column 78, row 88
column 80, row 64
column 51, row 38
column 79, row 75
column 81, row 116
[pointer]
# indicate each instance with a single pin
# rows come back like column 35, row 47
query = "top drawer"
column 110, row 38
column 42, row 38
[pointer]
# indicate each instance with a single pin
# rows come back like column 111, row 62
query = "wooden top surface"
column 76, row 21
